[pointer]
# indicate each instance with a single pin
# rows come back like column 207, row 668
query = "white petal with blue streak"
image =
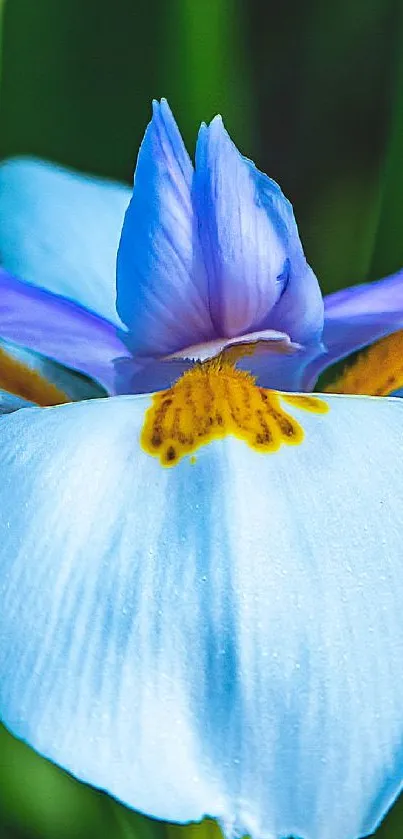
column 221, row 638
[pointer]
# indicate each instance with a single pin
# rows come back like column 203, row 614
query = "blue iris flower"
column 208, row 257
column 222, row 637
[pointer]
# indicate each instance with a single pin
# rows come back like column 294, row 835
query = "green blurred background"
column 312, row 91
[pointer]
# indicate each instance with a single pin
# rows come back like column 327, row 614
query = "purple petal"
column 161, row 284
column 272, row 359
column 356, row 317
column 280, row 371
column 59, row 329
column 258, row 276
column 132, row 377
column 73, row 384
column 268, row 340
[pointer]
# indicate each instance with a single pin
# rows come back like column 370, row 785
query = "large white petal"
column 221, row 638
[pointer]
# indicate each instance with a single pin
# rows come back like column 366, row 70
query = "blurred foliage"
column 79, row 76
column 39, row 801
column 313, row 92
column 388, row 244
column 333, row 99
column 306, row 89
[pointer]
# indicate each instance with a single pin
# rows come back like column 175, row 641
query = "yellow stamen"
column 377, row 371
column 20, row 380
column 306, row 403
column 214, row 400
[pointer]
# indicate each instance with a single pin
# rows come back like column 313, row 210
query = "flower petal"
column 280, row 371
column 59, row 329
column 132, row 377
column 257, row 273
column 268, row 355
column 222, row 638
column 356, row 317
column 10, row 403
column 268, row 340
column 60, row 231
column 72, row 384
column 161, row 285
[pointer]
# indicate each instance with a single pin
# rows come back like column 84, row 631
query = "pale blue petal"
column 257, row 273
column 161, row 284
column 10, row 403
column 60, row 231
column 220, row 638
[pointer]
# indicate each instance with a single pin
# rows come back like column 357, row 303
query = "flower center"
column 20, row 380
column 213, row 400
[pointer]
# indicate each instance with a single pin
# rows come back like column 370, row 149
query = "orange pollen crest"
column 214, row 400
column 376, row 371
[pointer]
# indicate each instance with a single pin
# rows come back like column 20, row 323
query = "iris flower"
column 208, row 257
column 201, row 587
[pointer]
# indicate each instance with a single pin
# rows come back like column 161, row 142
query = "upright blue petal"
column 221, row 638
column 257, row 273
column 161, row 285
column 60, row 231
